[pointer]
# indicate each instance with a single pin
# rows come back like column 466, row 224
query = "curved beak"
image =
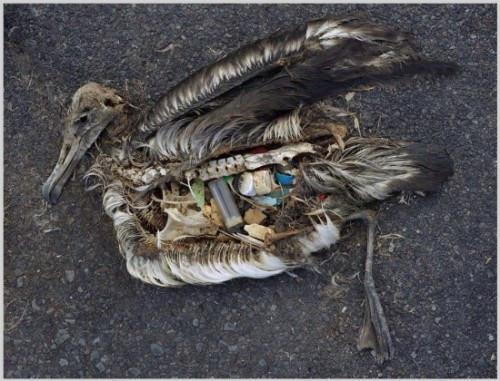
column 78, row 138
column 70, row 156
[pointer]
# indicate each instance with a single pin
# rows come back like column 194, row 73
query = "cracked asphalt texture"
column 71, row 310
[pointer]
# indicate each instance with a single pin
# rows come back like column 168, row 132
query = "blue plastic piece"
column 284, row 179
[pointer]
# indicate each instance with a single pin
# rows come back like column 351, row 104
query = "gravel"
column 70, row 275
column 66, row 259
column 157, row 350
column 229, row 326
column 134, row 372
column 100, row 366
column 62, row 336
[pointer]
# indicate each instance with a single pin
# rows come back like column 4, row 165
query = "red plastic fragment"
column 258, row 150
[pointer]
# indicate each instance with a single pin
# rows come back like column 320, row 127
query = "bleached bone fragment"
column 248, row 162
column 179, row 225
column 150, row 175
column 139, row 176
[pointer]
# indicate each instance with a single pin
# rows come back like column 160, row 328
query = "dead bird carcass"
column 243, row 170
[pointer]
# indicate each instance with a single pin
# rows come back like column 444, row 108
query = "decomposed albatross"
column 243, row 170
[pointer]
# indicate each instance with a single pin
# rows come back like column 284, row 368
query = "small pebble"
column 63, row 362
column 391, row 247
column 232, row 348
column 157, row 350
column 20, row 282
column 262, row 363
column 134, row 372
column 413, row 355
column 61, row 336
column 70, row 275
column 491, row 337
column 229, row 326
column 94, row 355
column 30, row 43
column 273, row 307
column 100, row 366
column 35, row 306
column 196, row 322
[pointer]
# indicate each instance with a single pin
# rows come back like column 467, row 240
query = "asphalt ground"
column 71, row 310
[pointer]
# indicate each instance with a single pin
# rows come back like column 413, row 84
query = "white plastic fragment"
column 256, row 183
column 254, row 216
column 258, row 231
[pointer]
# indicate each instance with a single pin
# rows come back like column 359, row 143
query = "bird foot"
column 374, row 333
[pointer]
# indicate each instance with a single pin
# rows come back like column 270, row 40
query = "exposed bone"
column 215, row 168
column 170, row 198
column 179, row 225
column 139, row 176
column 248, row 162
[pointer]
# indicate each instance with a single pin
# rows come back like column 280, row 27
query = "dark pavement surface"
column 71, row 310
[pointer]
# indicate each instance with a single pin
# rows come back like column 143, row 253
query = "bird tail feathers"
column 370, row 169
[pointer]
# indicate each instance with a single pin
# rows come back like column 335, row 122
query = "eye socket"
column 108, row 102
column 81, row 119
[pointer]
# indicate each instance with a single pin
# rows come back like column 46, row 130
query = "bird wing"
column 343, row 55
column 260, row 58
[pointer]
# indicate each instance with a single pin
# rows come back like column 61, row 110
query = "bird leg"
column 374, row 333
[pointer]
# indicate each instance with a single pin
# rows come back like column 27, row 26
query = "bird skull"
column 93, row 109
